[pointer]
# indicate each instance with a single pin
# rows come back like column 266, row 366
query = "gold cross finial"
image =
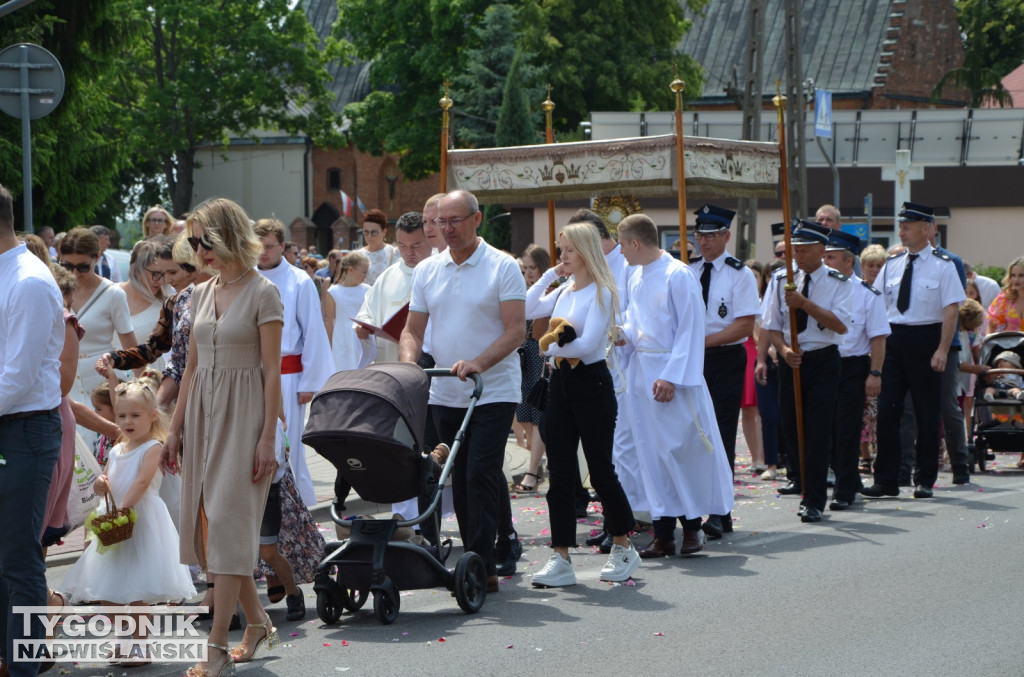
column 548, row 104
column 446, row 101
column 779, row 98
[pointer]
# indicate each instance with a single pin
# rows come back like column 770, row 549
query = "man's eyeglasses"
column 453, row 222
column 72, row 267
column 194, row 242
column 157, row 275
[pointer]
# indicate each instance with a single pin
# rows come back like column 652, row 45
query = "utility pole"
column 746, row 209
column 796, row 143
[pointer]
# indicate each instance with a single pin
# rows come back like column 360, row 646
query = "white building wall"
column 266, row 180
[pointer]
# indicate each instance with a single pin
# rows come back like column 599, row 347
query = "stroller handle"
column 478, row 383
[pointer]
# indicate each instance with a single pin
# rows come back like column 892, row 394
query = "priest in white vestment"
column 306, row 359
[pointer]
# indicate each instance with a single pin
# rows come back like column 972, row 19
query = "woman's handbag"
column 538, row 395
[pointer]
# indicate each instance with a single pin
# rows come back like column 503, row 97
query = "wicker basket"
column 119, row 532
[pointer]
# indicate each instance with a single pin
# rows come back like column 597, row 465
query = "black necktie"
column 705, row 281
column 801, row 314
column 903, row 299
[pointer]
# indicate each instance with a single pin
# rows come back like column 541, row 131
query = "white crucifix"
column 901, row 174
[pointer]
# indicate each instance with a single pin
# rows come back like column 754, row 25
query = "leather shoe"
column 492, row 584
column 801, row 511
column 597, row 539
column 606, row 544
column 922, row 491
column 713, row 527
column 839, row 504
column 811, row 514
column 693, row 542
column 791, row 489
column 658, row 548
column 961, row 479
column 727, row 523
column 877, row 490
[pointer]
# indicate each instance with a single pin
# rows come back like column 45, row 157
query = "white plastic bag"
column 83, row 499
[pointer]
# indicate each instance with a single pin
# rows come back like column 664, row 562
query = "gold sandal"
column 270, row 636
column 226, row 670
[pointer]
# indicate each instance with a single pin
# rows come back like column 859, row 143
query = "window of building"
column 333, row 179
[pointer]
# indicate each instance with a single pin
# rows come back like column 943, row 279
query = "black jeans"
column 768, row 407
column 476, row 491
column 30, row 447
column 819, row 376
column 724, row 369
column 581, row 407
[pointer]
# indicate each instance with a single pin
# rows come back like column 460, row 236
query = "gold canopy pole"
column 798, row 398
column 677, row 87
column 446, row 103
column 549, row 137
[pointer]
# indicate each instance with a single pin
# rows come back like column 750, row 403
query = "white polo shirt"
column 464, row 304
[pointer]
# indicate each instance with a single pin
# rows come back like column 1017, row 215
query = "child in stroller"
column 1006, row 385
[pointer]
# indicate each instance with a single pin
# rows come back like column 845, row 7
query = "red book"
column 392, row 329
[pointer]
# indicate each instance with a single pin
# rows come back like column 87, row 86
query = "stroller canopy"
column 384, row 402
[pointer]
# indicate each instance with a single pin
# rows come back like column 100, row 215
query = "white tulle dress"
column 145, row 568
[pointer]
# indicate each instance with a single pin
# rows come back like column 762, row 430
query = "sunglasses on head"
column 72, row 267
column 194, row 242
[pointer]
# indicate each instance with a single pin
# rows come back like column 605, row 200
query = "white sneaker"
column 621, row 564
column 556, row 573
column 769, row 474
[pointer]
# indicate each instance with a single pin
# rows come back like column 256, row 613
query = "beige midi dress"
column 223, row 422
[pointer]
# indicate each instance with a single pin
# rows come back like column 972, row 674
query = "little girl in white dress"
column 144, row 569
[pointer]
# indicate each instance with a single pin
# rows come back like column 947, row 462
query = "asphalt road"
column 891, row 587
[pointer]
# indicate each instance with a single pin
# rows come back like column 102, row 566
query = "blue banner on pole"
column 823, row 113
column 858, row 229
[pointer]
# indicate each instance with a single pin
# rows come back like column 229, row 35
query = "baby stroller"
column 988, row 433
column 369, row 424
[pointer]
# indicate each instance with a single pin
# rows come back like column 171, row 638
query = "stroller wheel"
column 355, row 599
column 326, row 609
column 385, row 604
column 470, row 579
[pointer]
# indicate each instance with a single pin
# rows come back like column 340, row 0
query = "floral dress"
column 1003, row 315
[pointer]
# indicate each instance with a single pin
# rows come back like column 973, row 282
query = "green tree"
column 78, row 150
column 993, row 37
column 599, row 55
column 202, row 72
column 478, row 91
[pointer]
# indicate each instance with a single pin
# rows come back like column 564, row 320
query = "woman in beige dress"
column 228, row 403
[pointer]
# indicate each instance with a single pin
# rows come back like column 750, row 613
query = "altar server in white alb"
column 682, row 462
column 306, row 359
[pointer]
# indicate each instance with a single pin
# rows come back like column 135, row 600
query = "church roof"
column 842, row 44
column 350, row 82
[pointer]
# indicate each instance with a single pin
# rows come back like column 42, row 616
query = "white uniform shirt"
column 464, row 304
column 867, row 320
column 829, row 289
column 934, row 286
column 31, row 334
column 304, row 332
column 731, row 295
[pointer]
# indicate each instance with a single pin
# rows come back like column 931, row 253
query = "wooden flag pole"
column 779, row 100
column 549, row 137
column 677, row 87
column 446, row 103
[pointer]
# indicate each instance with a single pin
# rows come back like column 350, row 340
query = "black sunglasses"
column 194, row 242
column 72, row 267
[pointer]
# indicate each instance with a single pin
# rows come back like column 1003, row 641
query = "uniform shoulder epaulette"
column 868, row 285
column 779, row 274
column 896, row 256
column 839, row 276
column 734, row 262
column 942, row 255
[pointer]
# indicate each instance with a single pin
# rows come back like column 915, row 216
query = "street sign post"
column 31, row 87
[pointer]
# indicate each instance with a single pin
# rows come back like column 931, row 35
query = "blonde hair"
column 150, row 212
column 144, row 390
column 350, row 261
column 873, row 253
column 586, row 240
column 143, row 255
column 972, row 315
column 227, row 227
column 1011, row 293
column 182, row 252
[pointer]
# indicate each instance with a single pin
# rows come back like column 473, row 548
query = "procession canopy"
column 642, row 166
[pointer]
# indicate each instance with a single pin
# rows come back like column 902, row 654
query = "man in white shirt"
column 475, row 299
column 31, row 340
column 105, row 265
column 821, row 303
column 306, row 359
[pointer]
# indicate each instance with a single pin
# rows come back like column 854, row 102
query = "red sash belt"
column 291, row 364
